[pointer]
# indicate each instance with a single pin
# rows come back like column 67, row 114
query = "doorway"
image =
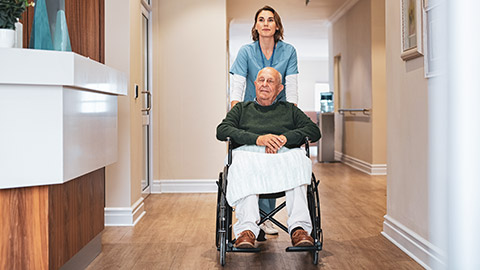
column 146, row 95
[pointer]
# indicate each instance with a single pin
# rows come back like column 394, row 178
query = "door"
column 146, row 96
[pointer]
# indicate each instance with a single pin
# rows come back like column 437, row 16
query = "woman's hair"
column 278, row 33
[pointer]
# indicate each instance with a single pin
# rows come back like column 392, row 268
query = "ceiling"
column 305, row 26
column 289, row 10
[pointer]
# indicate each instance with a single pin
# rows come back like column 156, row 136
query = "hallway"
column 178, row 232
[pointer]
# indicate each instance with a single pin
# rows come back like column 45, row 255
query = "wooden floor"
column 178, row 232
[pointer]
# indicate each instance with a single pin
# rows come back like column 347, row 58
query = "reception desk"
column 58, row 131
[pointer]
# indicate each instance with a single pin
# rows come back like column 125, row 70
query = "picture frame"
column 412, row 29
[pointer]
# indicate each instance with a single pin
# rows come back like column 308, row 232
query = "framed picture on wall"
column 412, row 29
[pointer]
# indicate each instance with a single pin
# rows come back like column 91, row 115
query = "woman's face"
column 266, row 25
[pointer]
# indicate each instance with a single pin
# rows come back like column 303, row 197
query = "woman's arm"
column 237, row 89
column 291, row 77
column 291, row 88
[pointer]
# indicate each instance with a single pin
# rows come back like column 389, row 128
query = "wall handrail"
column 353, row 111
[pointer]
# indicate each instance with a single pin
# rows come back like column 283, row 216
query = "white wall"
column 189, row 88
column 123, row 200
column 406, row 221
column 117, row 43
column 351, row 40
column 311, row 71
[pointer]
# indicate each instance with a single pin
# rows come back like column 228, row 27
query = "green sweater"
column 248, row 120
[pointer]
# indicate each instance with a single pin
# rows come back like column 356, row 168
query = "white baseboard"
column 415, row 246
column 125, row 216
column 372, row 169
column 184, row 186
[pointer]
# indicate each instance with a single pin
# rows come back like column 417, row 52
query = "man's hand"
column 271, row 142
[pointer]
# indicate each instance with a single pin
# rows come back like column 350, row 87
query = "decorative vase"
column 41, row 38
column 61, row 39
column 7, row 38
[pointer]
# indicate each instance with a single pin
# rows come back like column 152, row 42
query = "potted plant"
column 10, row 12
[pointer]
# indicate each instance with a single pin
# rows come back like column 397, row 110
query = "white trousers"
column 248, row 216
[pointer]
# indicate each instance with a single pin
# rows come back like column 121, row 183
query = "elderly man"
column 276, row 125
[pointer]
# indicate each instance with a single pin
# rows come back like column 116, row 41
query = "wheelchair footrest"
column 301, row 249
column 251, row 250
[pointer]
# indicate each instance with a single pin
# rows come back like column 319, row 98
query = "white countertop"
column 58, row 116
column 42, row 67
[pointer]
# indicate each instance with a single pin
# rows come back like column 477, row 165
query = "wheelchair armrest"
column 307, row 145
column 230, row 148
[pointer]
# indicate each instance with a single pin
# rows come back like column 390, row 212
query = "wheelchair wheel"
column 318, row 218
column 315, row 257
column 222, row 232
column 217, row 225
column 314, row 208
column 223, row 248
column 223, row 219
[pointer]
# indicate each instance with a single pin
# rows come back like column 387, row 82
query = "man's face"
column 267, row 86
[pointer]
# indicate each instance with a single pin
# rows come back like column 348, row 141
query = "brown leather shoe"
column 245, row 240
column 300, row 238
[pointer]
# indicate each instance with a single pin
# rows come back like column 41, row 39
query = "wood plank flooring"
column 178, row 232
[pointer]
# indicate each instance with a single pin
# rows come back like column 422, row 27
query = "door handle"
column 149, row 101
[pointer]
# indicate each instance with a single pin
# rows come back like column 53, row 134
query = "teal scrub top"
column 249, row 62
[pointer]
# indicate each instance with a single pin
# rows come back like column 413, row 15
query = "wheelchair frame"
column 223, row 239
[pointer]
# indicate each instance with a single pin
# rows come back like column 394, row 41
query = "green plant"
column 10, row 11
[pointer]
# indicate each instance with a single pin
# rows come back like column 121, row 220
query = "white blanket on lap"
column 254, row 172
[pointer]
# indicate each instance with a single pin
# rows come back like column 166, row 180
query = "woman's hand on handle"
column 233, row 103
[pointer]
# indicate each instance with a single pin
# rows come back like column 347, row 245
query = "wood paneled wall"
column 85, row 21
column 27, row 20
column 44, row 227
column 86, row 27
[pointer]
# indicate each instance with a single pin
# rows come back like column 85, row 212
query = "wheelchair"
column 224, row 228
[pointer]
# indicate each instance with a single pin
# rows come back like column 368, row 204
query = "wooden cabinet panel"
column 76, row 215
column 43, row 227
column 24, row 228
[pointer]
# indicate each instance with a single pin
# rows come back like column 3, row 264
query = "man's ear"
column 280, row 88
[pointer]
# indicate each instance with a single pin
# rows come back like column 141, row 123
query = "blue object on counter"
column 41, row 38
column 326, row 102
column 61, row 39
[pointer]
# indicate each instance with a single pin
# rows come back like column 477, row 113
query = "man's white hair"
column 276, row 71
